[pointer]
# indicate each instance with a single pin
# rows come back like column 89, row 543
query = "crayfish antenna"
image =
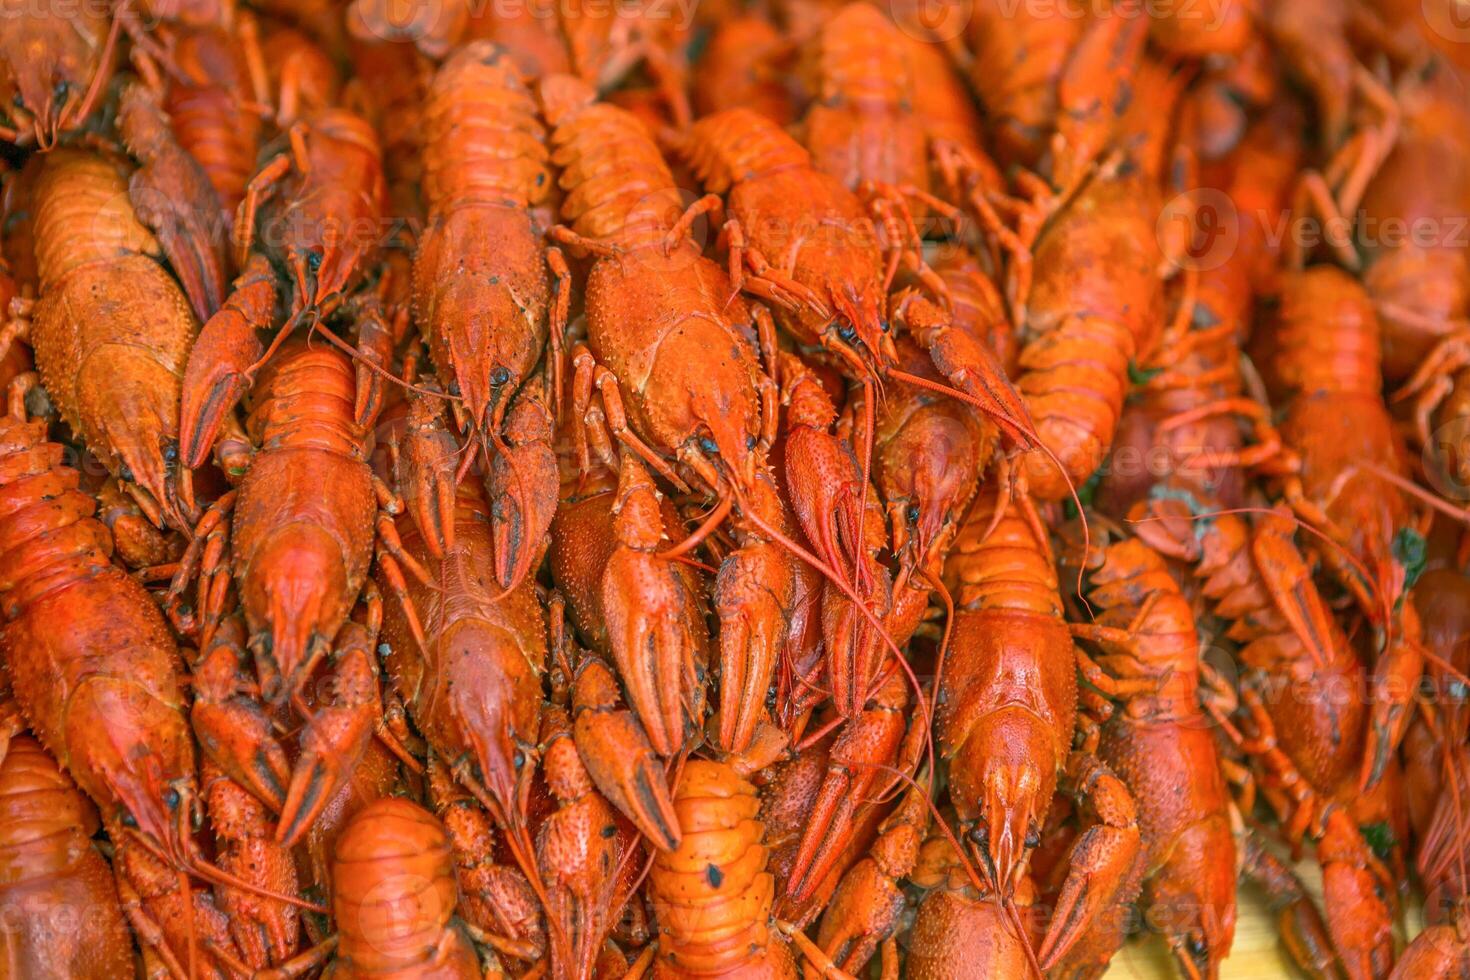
column 365, row 361
column 776, row 536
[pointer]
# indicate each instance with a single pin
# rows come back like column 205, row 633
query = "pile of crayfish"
column 732, row 489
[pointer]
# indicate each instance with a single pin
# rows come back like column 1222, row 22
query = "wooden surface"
column 1256, row 955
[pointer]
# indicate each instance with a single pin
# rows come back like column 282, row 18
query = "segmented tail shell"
column 740, row 144
column 618, row 187
column 712, row 895
column 483, row 142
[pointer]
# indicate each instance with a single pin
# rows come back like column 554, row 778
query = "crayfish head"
column 150, row 805
column 1191, row 898
column 1002, row 780
column 859, row 318
column 133, row 753
column 927, row 474
column 728, row 424
column 323, row 271
column 43, row 101
column 295, row 596
column 145, row 456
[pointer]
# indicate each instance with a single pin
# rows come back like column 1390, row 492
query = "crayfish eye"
column 454, row 388
column 313, row 261
column 980, row 835
column 128, row 820
column 846, row 332
column 708, row 445
column 912, row 514
column 499, row 376
column 59, row 92
column 884, row 326
column 171, row 799
column 125, row 473
column 1197, row 948
column 1033, row 839
column 750, row 442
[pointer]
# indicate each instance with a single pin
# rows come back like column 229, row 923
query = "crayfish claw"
column 524, row 485
column 264, row 930
column 753, row 589
column 248, row 754
column 1103, row 864
column 654, row 620
column 425, row 472
column 615, row 750
column 867, row 746
column 867, row 908
column 218, row 372
column 232, row 728
column 1394, row 676
column 334, row 738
